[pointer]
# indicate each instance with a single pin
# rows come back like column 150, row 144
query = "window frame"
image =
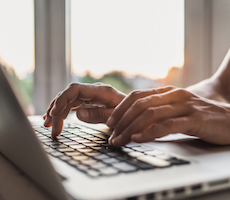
column 52, row 50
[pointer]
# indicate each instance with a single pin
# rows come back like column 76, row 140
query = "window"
column 17, row 47
column 128, row 44
column 206, row 40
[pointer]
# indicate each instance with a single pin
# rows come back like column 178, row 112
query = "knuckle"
column 170, row 87
column 73, row 85
column 169, row 124
column 105, row 87
column 150, row 112
column 183, row 93
column 120, row 127
column 109, row 88
column 100, row 114
column 139, row 104
column 135, row 94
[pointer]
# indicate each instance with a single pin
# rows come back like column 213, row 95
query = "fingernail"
column 110, row 122
column 111, row 138
column 83, row 113
column 114, row 141
column 51, row 112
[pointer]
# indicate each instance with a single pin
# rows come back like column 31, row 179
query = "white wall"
column 220, row 31
column 207, row 37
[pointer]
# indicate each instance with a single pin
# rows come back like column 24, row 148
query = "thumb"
column 94, row 115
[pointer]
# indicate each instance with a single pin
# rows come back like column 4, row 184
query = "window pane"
column 129, row 44
column 17, row 47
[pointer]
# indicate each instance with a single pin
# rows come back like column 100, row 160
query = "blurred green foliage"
column 115, row 78
column 23, row 89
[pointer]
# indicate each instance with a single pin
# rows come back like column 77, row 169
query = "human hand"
column 93, row 103
column 145, row 115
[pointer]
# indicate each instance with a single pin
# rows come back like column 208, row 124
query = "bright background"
column 136, row 36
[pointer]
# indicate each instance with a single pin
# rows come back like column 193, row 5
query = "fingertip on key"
column 110, row 122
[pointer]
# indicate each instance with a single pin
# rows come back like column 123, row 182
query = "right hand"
column 93, row 103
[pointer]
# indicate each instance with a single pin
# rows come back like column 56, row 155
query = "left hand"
column 142, row 118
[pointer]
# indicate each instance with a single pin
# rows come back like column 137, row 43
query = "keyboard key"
column 91, row 144
column 65, row 158
column 74, row 137
column 56, row 154
column 67, row 149
column 141, row 165
column 70, row 143
column 136, row 154
column 143, row 148
column 56, row 146
column 88, row 162
column 50, row 150
column 127, row 150
column 164, row 156
column 125, row 167
column 132, row 144
column 101, row 157
column 73, row 162
column 81, row 157
column 64, row 140
column 75, row 153
column 77, row 146
column 45, row 139
column 101, row 141
column 92, row 153
column 114, row 154
column 98, row 165
column 154, row 152
column 85, row 150
column 93, row 173
column 176, row 161
column 154, row 161
column 101, row 136
column 82, row 167
column 81, row 134
column 110, row 160
column 82, row 140
column 93, row 138
column 108, row 171
column 53, row 142
column 105, row 149
column 91, row 131
column 97, row 147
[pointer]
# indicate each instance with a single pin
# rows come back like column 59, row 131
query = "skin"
column 93, row 103
column 202, row 110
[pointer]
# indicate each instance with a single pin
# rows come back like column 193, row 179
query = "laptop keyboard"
column 88, row 150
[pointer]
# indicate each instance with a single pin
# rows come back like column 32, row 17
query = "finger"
column 57, row 125
column 140, row 105
column 94, row 115
column 57, row 122
column 150, row 117
column 129, row 100
column 87, row 92
column 48, row 118
column 170, row 126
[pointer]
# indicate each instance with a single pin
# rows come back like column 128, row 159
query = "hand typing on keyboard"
column 144, row 115
column 93, row 103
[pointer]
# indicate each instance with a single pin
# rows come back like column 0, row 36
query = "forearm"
column 218, row 86
column 210, row 89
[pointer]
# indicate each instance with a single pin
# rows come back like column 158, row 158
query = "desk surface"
column 15, row 185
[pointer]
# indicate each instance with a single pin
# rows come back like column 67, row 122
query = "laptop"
column 81, row 165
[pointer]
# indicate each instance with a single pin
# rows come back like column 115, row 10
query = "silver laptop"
column 81, row 165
